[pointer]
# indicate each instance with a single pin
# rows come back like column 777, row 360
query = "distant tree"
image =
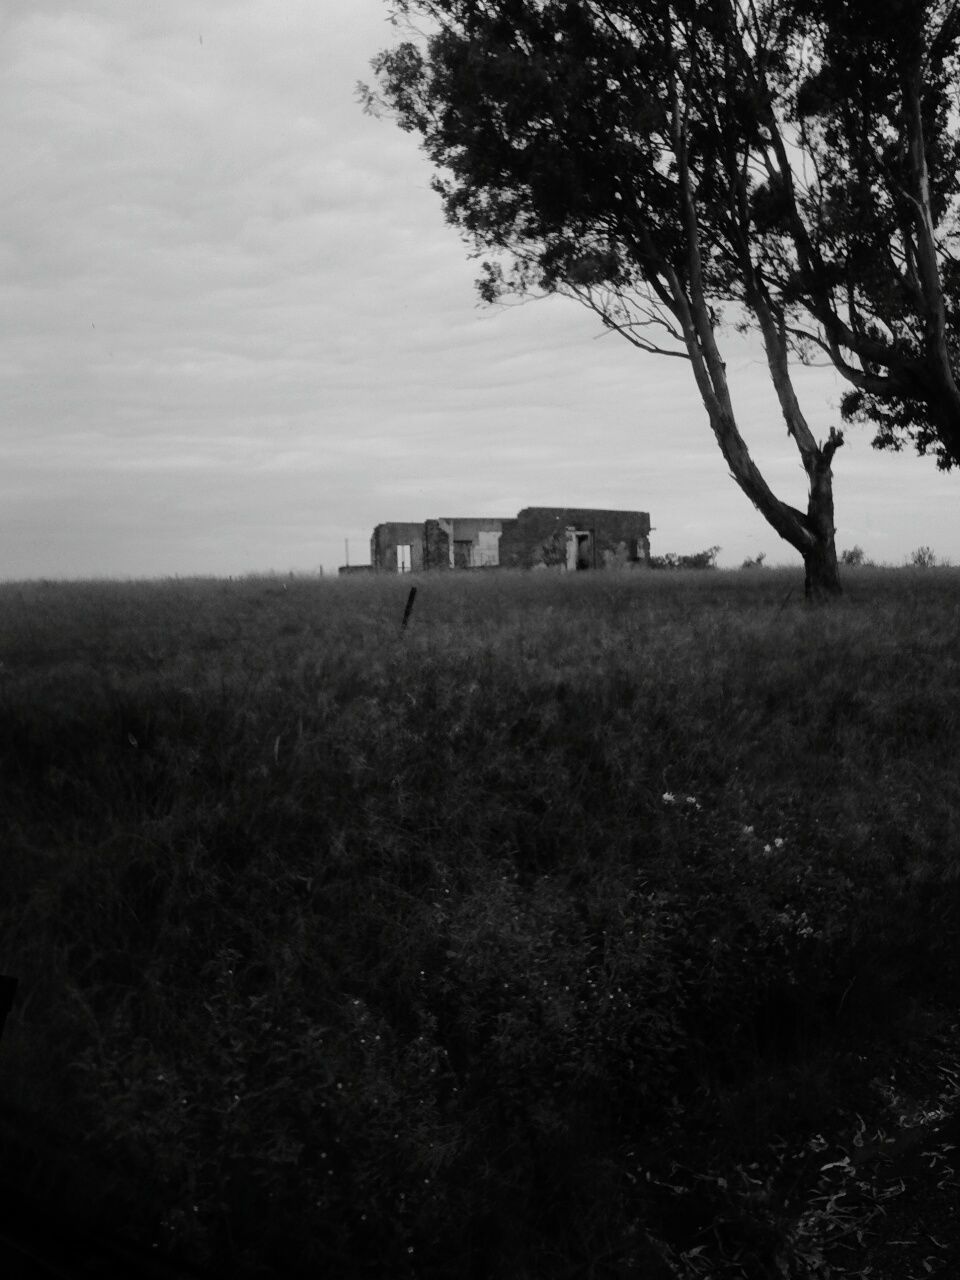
column 608, row 150
column 923, row 558
column 853, row 557
column 754, row 562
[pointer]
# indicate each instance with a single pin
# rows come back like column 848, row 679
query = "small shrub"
column 617, row 558
column 754, row 562
column 853, row 558
column 698, row 560
column 923, row 558
column 701, row 559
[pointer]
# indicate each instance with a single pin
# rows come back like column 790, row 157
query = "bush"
column 754, row 562
column 698, row 560
column 853, row 558
column 923, row 558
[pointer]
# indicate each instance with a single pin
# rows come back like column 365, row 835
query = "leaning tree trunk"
column 815, row 538
column 811, row 534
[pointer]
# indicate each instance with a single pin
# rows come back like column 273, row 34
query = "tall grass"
column 436, row 951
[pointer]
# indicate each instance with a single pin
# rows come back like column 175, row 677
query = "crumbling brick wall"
column 436, row 540
column 387, row 537
column 538, row 536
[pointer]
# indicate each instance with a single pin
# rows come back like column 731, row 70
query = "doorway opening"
column 581, row 549
column 462, row 553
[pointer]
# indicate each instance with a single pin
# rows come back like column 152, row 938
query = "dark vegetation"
column 559, row 935
column 697, row 560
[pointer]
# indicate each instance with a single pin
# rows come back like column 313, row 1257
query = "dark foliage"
column 819, row 139
column 697, row 560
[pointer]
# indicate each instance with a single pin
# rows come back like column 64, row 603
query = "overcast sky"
column 238, row 332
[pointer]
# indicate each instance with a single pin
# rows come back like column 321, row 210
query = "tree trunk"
column 822, row 576
column 822, row 580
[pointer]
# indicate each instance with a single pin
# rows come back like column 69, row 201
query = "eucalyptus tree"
column 614, row 151
column 855, row 199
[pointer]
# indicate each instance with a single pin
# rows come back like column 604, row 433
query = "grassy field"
column 558, row 935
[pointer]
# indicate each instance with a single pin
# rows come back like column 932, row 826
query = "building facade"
column 536, row 538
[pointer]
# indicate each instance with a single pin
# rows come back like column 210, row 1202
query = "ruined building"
column 536, row 538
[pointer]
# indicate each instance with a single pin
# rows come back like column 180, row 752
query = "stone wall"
column 538, row 537
column 387, row 537
column 436, row 545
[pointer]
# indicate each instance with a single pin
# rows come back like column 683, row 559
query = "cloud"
column 238, row 331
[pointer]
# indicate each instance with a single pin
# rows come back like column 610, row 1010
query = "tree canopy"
column 859, row 208
column 840, row 116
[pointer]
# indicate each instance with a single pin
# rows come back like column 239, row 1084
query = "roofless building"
column 574, row 538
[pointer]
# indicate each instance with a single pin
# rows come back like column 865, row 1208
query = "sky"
column 237, row 332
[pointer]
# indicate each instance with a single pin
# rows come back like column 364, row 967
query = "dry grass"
column 415, row 953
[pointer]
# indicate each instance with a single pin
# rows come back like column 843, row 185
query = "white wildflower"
column 669, row 798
